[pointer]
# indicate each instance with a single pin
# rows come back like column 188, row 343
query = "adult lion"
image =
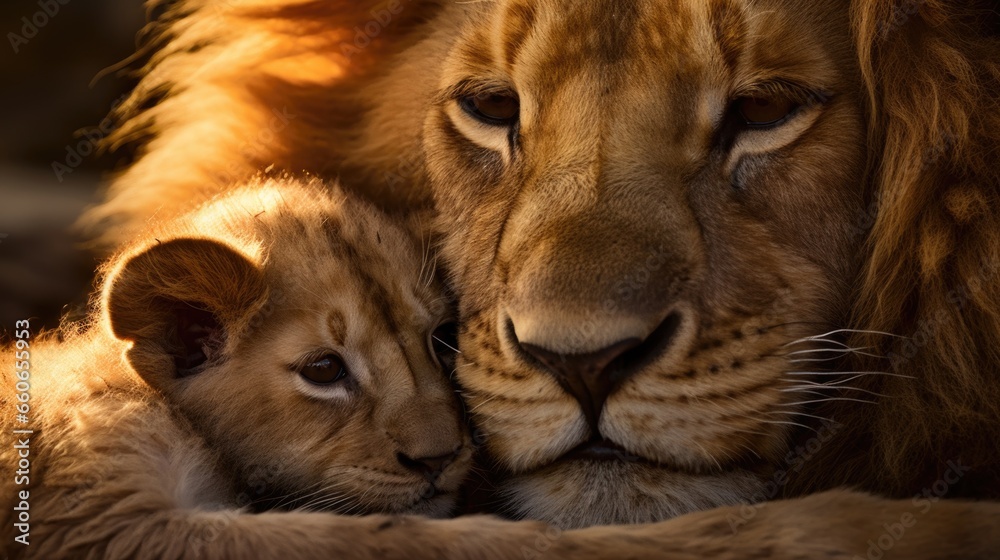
column 706, row 252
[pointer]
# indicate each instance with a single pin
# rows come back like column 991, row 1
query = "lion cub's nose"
column 429, row 467
column 591, row 377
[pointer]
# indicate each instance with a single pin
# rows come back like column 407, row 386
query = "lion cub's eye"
column 325, row 371
column 444, row 343
column 495, row 109
column 763, row 111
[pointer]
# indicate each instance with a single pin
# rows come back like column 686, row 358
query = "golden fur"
column 861, row 232
column 288, row 273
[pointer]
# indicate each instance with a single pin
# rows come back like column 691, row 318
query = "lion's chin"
column 580, row 493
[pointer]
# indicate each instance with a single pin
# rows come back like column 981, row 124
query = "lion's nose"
column 591, row 378
column 585, row 376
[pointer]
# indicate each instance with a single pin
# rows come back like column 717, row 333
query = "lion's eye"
column 495, row 109
column 444, row 342
column 763, row 111
column 325, row 371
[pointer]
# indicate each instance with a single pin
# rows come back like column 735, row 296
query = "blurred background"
column 49, row 172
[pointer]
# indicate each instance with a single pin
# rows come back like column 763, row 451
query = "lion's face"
column 648, row 206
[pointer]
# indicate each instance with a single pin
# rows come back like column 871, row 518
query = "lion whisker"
column 359, row 502
column 828, row 350
column 485, row 401
column 787, row 422
column 450, row 347
column 830, row 359
column 825, row 341
column 814, row 386
column 424, row 253
column 794, row 413
column 428, row 264
column 840, row 349
column 327, row 503
column 853, row 331
column 790, row 323
column 326, row 492
column 288, row 498
column 856, row 373
column 707, row 454
column 827, row 400
column 840, row 352
column 826, row 383
column 806, row 392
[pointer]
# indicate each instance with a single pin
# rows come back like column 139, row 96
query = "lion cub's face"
column 302, row 348
column 648, row 205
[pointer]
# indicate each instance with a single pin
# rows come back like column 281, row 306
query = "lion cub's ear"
column 180, row 302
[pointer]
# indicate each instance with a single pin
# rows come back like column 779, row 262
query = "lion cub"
column 275, row 349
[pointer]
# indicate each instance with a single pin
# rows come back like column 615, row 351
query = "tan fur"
column 122, row 441
column 873, row 210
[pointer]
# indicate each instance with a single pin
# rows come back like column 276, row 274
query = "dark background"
column 49, row 99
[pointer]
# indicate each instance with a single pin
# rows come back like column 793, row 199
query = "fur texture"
column 186, row 404
column 860, row 232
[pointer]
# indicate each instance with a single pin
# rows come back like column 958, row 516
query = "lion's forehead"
column 675, row 44
column 364, row 269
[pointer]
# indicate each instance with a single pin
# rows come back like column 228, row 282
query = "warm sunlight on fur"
column 271, row 351
column 685, row 235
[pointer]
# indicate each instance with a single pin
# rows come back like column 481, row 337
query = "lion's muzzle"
column 590, row 378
